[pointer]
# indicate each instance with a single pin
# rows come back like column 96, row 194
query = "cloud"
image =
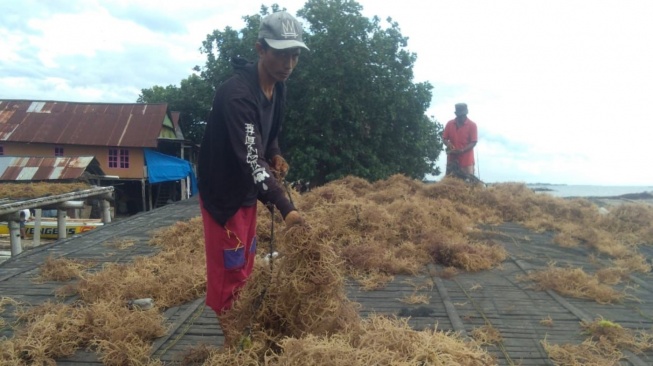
column 560, row 90
column 154, row 19
column 88, row 52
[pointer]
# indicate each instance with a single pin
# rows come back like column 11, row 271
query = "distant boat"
column 49, row 228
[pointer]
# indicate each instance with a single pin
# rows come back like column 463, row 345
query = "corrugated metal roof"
column 13, row 168
column 71, row 123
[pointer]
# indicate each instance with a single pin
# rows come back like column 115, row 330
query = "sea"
column 564, row 190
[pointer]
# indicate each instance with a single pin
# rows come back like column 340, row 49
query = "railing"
column 10, row 211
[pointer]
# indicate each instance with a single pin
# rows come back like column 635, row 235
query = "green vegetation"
column 353, row 107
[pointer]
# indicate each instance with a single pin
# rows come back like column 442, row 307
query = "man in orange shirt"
column 460, row 136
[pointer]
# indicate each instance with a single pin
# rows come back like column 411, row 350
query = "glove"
column 293, row 218
column 279, row 166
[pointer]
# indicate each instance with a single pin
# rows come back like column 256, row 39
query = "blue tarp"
column 167, row 168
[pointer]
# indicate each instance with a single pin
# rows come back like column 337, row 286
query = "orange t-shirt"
column 461, row 137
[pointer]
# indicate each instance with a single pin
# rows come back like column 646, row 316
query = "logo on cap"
column 288, row 27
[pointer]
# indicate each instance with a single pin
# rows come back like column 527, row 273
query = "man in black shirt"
column 239, row 155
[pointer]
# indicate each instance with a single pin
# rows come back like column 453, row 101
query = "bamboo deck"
column 459, row 304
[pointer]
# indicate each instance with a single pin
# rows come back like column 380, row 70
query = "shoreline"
column 617, row 200
column 645, row 197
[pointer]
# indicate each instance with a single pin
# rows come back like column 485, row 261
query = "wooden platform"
column 460, row 304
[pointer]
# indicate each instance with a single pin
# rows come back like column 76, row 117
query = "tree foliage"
column 194, row 96
column 353, row 107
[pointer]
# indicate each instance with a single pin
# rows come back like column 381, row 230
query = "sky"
column 561, row 90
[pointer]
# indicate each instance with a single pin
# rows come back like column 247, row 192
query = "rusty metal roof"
column 13, row 168
column 94, row 124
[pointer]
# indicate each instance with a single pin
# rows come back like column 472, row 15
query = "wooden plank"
column 182, row 319
column 513, row 308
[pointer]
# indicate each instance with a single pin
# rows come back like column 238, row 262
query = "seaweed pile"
column 24, row 191
column 294, row 308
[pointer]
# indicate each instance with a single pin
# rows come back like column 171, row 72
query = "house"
column 138, row 146
column 63, row 169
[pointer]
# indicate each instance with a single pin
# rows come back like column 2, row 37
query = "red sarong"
column 230, row 252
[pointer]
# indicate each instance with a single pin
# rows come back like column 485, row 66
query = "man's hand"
column 279, row 165
column 293, row 218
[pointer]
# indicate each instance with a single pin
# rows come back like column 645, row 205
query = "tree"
column 194, row 96
column 353, row 108
column 192, row 99
column 221, row 47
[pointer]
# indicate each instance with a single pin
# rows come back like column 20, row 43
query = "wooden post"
column 14, row 237
column 183, row 189
column 61, row 223
column 149, row 197
column 106, row 211
column 37, row 227
column 61, row 215
column 184, row 183
column 144, row 198
column 150, row 206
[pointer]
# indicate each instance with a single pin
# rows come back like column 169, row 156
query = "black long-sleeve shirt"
column 233, row 168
